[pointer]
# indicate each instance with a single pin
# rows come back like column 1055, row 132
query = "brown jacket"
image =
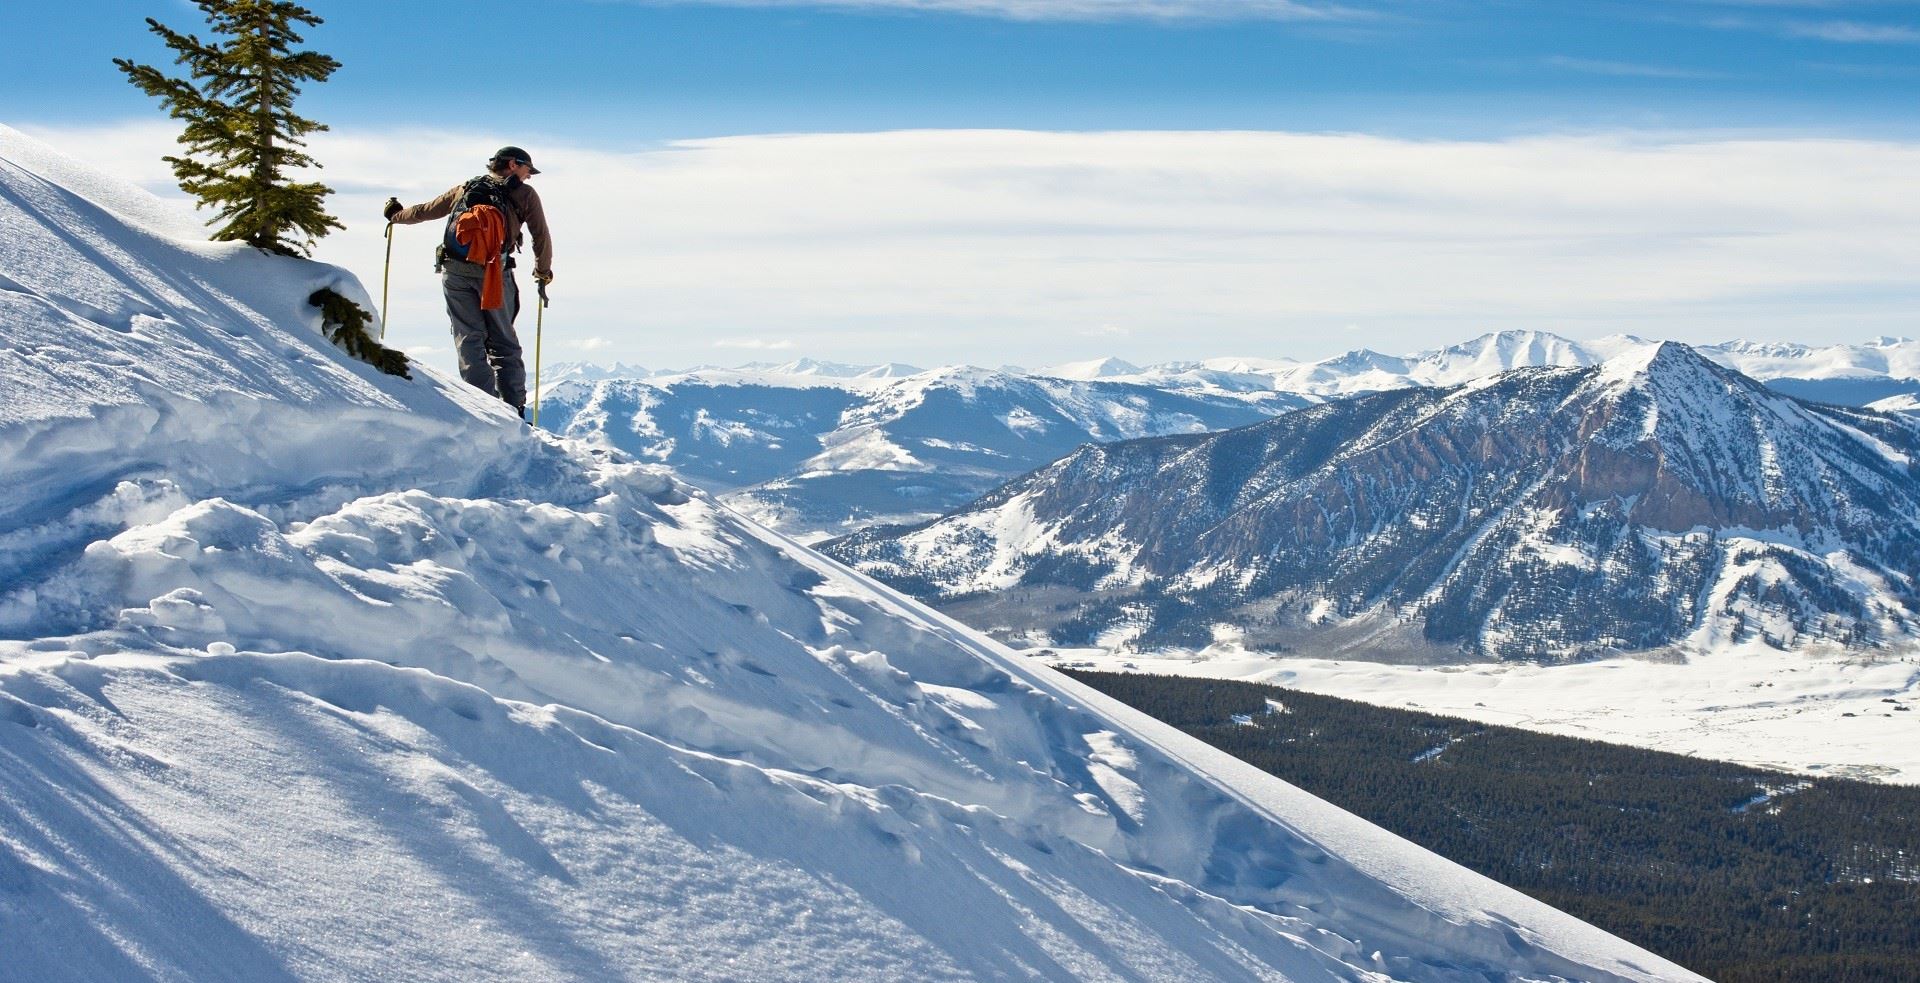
column 526, row 210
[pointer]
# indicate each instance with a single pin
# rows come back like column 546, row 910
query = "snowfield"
column 1825, row 715
column 311, row 673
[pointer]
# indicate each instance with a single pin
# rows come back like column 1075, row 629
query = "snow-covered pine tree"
column 242, row 136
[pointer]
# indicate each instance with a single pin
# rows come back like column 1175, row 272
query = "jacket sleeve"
column 440, row 207
column 536, row 219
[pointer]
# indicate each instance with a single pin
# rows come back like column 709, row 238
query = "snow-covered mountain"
column 1908, row 403
column 1849, row 375
column 1845, row 374
column 1885, row 357
column 559, row 372
column 816, row 448
column 1364, row 371
column 313, row 673
column 1099, row 368
column 833, row 370
column 1657, row 499
column 811, row 446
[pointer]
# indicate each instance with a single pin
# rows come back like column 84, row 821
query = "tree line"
column 1741, row 874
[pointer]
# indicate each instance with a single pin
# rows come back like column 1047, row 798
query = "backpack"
column 479, row 192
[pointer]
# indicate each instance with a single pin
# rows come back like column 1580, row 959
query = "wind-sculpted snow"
column 311, row 674
column 680, row 641
column 1654, row 500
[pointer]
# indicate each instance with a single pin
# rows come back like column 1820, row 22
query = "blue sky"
column 615, row 84
column 1426, row 68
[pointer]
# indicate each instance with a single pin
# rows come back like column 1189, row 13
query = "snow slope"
column 312, row 673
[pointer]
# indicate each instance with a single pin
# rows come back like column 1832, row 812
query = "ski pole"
column 386, row 280
column 539, row 330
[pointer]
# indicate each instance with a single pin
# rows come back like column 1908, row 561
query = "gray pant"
column 489, row 349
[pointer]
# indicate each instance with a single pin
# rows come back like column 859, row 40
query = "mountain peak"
column 1671, row 392
column 1659, row 360
column 1099, row 368
column 1362, row 359
column 1500, row 351
column 1515, row 337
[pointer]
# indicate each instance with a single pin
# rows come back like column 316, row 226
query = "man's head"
column 512, row 162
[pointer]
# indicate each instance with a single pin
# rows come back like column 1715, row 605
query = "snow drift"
column 308, row 672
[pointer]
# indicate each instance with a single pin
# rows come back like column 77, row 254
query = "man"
column 483, row 335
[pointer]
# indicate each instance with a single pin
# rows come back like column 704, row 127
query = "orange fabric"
column 483, row 230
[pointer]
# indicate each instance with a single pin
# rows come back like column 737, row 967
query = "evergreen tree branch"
column 241, row 134
column 345, row 324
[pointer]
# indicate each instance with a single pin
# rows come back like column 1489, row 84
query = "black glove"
column 392, row 209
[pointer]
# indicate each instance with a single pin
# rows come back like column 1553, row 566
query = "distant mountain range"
column 822, row 448
column 1850, row 375
column 1657, row 499
column 813, row 446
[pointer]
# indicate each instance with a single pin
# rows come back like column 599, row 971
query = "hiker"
column 484, row 217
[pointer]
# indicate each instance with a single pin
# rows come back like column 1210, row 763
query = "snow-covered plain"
column 1750, row 704
column 308, row 672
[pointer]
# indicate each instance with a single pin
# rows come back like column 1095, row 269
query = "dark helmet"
column 513, row 155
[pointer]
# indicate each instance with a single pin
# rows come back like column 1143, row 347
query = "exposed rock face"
column 1653, row 500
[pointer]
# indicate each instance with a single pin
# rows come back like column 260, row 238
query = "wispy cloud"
column 1837, row 31
column 1593, row 66
column 1059, row 10
column 1855, row 32
column 593, row 344
column 753, row 344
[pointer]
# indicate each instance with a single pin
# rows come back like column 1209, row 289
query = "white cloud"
column 995, row 246
column 1105, row 331
column 1854, row 32
column 593, row 344
column 1036, row 10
